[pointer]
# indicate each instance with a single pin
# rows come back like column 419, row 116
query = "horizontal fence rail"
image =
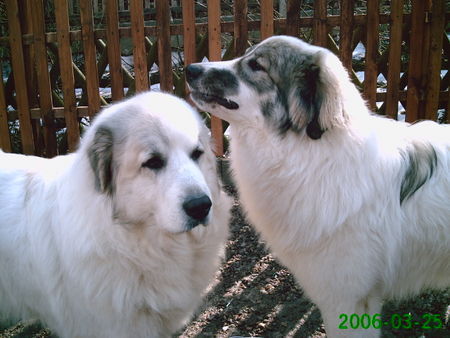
column 61, row 61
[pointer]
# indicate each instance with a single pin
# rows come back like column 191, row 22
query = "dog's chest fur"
column 284, row 186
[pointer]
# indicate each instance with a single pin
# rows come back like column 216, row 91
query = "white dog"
column 357, row 206
column 105, row 242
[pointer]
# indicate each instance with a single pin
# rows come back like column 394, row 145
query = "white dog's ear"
column 100, row 154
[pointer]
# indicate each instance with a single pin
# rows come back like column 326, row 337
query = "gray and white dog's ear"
column 305, row 97
column 100, row 153
column 316, row 103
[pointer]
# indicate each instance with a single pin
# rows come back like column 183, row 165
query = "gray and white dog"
column 356, row 205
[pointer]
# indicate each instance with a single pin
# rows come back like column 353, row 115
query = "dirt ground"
column 253, row 296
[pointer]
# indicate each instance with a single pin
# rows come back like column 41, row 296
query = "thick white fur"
column 92, row 264
column 330, row 208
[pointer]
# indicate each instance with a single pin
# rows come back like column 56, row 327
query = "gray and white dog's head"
column 282, row 82
column 151, row 156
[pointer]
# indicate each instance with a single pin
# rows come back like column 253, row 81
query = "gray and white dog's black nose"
column 193, row 72
column 197, row 207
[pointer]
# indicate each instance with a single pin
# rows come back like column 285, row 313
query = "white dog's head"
column 151, row 156
column 282, row 82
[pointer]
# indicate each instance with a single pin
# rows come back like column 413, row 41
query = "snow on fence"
column 63, row 60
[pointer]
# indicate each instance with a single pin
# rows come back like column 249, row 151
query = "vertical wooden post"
column 114, row 52
column 189, row 32
column 266, row 19
column 320, row 23
column 66, row 71
column 5, row 141
column 435, row 59
column 346, row 33
column 215, row 49
column 26, row 22
column 164, row 47
column 90, row 57
column 372, row 43
column 416, row 57
column 293, row 17
column 240, row 27
column 394, row 63
column 43, row 78
column 139, row 53
column 20, row 77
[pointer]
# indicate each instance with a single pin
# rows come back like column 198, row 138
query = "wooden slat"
column 371, row 71
column 266, row 18
column 214, row 44
column 20, row 78
column 5, row 141
column 320, row 23
column 90, row 57
column 346, row 33
column 415, row 60
column 395, row 48
column 240, row 27
column 139, row 56
column 26, row 23
column 82, row 111
column 164, row 47
column 43, row 79
column 435, row 59
column 66, row 71
column 189, row 33
column 114, row 54
column 293, row 17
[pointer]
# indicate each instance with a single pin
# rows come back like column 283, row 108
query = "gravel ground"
column 254, row 296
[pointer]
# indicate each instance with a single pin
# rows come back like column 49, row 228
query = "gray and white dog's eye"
column 255, row 66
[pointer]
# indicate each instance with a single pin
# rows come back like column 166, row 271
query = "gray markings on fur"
column 100, row 155
column 293, row 79
column 422, row 161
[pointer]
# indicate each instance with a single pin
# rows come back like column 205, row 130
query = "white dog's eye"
column 255, row 66
column 196, row 154
column 155, row 162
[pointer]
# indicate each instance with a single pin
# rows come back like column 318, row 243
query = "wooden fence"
column 57, row 61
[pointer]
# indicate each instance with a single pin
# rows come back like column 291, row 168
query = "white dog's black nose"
column 197, row 207
column 193, row 71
